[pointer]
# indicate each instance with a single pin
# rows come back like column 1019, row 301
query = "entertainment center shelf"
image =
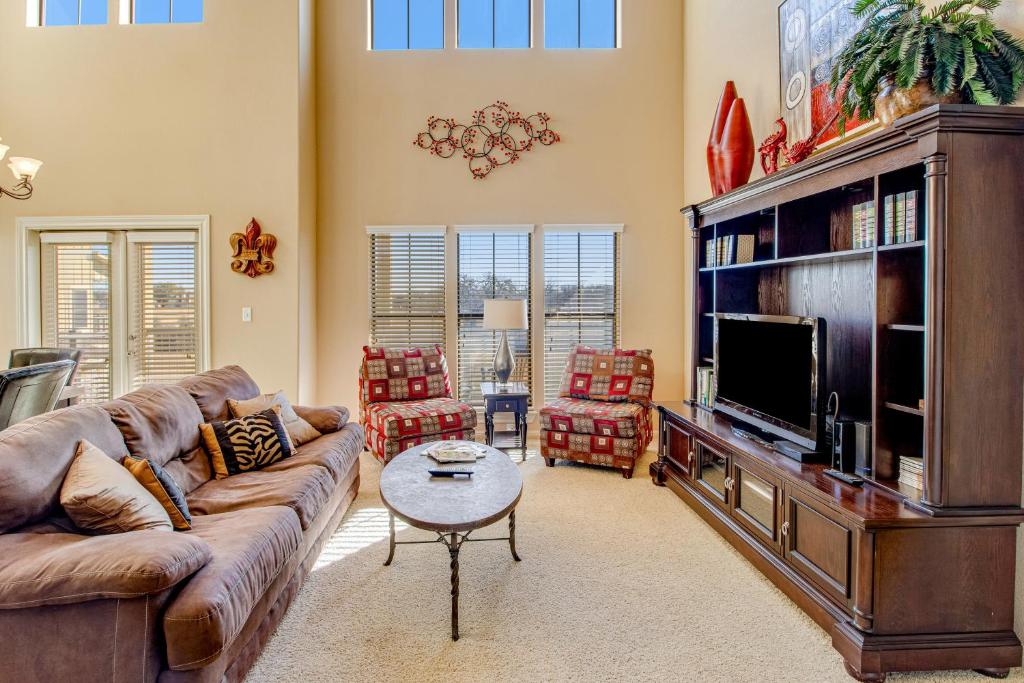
column 907, row 243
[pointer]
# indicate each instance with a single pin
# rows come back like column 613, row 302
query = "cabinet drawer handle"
column 690, row 459
column 785, row 528
column 728, row 483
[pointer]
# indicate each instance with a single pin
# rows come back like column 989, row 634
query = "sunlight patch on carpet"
column 360, row 530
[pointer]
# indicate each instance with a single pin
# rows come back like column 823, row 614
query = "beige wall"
column 620, row 116
column 183, row 119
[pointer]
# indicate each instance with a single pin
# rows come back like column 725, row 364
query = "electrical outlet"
column 246, row 314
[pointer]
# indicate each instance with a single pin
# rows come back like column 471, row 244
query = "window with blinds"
column 163, row 325
column 76, row 310
column 492, row 265
column 407, row 306
column 581, row 297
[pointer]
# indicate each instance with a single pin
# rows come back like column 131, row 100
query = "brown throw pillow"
column 163, row 487
column 246, row 444
column 100, row 495
column 299, row 430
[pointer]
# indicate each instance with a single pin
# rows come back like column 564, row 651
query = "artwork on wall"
column 252, row 252
column 496, row 136
column 812, row 33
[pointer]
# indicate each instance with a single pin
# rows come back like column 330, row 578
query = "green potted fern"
column 908, row 57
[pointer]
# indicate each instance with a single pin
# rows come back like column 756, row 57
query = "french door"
column 130, row 300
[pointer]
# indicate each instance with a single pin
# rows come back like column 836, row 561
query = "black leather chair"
column 21, row 358
column 32, row 390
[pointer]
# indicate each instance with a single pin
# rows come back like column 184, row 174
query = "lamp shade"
column 23, row 167
column 505, row 314
column 3, row 151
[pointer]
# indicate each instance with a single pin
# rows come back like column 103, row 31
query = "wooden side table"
column 513, row 398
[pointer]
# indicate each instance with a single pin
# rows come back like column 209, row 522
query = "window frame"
column 35, row 15
column 126, row 15
column 531, row 301
column 579, row 34
column 408, row 30
column 28, row 285
column 494, row 28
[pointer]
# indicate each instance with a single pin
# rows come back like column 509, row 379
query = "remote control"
column 851, row 479
column 450, row 473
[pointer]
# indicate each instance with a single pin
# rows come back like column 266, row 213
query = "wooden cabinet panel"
column 711, row 473
column 818, row 545
column 679, row 448
column 757, row 501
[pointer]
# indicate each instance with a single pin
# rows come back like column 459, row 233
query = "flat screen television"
column 769, row 373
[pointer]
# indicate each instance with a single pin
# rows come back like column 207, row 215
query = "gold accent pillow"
column 246, row 444
column 163, row 487
column 298, row 429
column 100, row 495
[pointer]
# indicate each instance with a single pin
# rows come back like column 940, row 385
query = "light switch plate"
column 246, row 314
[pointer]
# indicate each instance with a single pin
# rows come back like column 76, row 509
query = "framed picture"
column 812, row 33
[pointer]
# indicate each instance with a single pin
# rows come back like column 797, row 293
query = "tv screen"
column 767, row 370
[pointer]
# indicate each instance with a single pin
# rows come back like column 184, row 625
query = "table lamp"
column 504, row 315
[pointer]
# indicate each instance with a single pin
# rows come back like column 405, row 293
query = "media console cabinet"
column 925, row 340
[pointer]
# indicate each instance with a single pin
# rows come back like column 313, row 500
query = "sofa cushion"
column 609, row 375
column 326, row 420
column 100, row 495
column 578, row 416
column 403, row 419
column 61, row 568
column 403, row 375
column 158, row 422
column 212, row 389
column 157, row 481
column 385, row 448
column 246, row 444
column 303, row 489
column 334, row 452
column 36, row 454
column 249, row 549
column 299, row 430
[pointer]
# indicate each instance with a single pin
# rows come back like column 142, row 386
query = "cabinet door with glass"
column 711, row 473
column 757, row 501
column 678, row 445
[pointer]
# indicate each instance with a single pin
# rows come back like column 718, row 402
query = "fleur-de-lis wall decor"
column 252, row 251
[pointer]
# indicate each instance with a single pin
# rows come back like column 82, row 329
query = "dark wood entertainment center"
column 925, row 340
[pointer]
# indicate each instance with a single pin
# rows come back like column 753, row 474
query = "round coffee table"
column 451, row 507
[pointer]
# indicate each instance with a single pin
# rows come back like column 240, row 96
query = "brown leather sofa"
column 175, row 606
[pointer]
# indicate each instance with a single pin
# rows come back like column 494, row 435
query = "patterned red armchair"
column 405, row 399
column 603, row 413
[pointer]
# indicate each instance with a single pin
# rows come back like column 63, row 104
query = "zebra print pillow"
column 246, row 444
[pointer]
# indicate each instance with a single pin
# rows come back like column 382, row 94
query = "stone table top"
column 443, row 504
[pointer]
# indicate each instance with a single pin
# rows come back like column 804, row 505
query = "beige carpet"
column 619, row 581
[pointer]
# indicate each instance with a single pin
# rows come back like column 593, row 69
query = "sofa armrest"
column 325, row 420
column 62, row 568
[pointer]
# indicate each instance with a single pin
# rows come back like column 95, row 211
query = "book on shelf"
column 729, row 249
column 869, row 224
column 863, row 225
column 912, row 472
column 858, row 217
column 706, row 386
column 911, row 231
column 889, row 219
column 709, row 254
column 901, row 218
column 745, row 248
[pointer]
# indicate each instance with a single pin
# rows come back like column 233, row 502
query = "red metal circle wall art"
column 496, row 136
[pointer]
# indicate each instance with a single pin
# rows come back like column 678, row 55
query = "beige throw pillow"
column 298, row 429
column 101, row 495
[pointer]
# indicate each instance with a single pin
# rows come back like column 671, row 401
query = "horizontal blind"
column 76, row 310
column 492, row 265
column 163, row 341
column 407, row 289
column 581, row 297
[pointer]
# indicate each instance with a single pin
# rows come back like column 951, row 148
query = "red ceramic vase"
column 717, row 130
column 736, row 151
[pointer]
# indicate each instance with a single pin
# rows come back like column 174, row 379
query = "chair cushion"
column 609, row 375
column 591, row 448
column 403, row 375
column 249, row 549
column 403, row 419
column 211, row 390
column 303, row 489
column 385, row 449
column 334, row 452
column 578, row 416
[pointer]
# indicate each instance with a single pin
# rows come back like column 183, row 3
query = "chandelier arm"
column 22, row 191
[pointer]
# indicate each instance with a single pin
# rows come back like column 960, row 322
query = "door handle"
column 785, row 528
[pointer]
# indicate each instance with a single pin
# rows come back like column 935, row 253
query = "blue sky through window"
column 168, row 11
column 494, row 23
column 187, row 11
column 580, row 23
column 408, row 24
column 66, row 12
